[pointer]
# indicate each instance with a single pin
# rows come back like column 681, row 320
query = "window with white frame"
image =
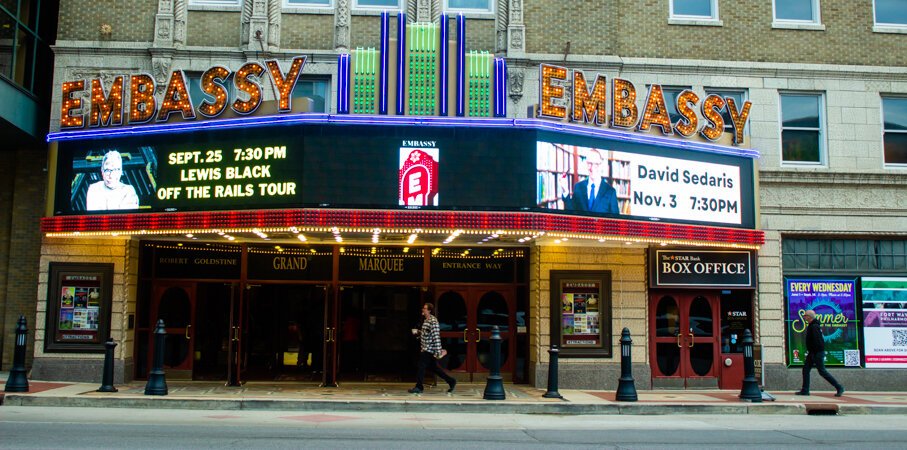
column 890, row 13
column 694, row 9
column 802, row 136
column 378, row 4
column 468, row 5
column 739, row 97
column 214, row 3
column 894, row 117
column 307, row 3
column 803, row 11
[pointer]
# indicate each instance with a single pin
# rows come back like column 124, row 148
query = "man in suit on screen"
column 594, row 194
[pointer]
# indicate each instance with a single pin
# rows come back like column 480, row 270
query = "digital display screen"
column 391, row 167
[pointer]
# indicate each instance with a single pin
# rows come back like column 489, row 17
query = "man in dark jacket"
column 815, row 356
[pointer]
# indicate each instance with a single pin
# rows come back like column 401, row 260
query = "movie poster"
column 580, row 313
column 834, row 301
column 80, row 302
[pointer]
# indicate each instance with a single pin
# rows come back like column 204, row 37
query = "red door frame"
column 685, row 339
column 472, row 335
column 159, row 288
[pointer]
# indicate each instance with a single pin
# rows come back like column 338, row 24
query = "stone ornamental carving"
column 436, row 10
column 180, row 14
column 163, row 30
column 515, row 27
column 342, row 26
column 501, row 27
column 274, row 24
column 245, row 18
column 515, row 81
column 160, row 70
column 163, row 24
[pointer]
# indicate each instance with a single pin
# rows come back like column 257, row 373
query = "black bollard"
column 552, row 373
column 156, row 384
column 17, row 381
column 494, row 386
column 107, row 378
column 626, row 387
column 750, row 390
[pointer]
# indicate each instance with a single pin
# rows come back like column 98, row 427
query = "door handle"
column 187, row 331
column 465, row 338
column 691, row 341
column 678, row 340
column 235, row 334
column 478, row 335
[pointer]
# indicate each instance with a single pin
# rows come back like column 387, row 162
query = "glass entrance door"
column 174, row 303
column 684, row 344
column 466, row 316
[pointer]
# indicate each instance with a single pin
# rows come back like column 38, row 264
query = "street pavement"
column 467, row 398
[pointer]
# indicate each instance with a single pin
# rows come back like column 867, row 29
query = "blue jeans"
column 817, row 359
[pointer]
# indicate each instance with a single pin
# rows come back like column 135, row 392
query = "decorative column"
column 163, row 24
column 500, row 28
column 180, row 18
column 274, row 25
column 516, row 30
column 342, row 26
column 256, row 41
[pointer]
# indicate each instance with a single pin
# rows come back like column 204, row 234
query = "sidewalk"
column 392, row 397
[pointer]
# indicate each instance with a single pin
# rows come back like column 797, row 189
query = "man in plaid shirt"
column 430, row 351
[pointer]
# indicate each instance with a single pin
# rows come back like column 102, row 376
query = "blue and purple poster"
column 834, row 301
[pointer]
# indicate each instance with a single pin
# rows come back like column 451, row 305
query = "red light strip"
column 490, row 221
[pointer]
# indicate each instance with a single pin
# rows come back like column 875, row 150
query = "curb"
column 565, row 408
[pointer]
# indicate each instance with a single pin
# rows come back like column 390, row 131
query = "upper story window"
column 671, row 93
column 694, row 9
column 739, row 97
column 890, row 13
column 468, row 5
column 894, row 117
column 214, row 2
column 801, row 11
column 378, row 4
column 307, row 3
column 802, row 136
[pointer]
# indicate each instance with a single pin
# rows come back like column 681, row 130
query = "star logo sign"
column 414, row 157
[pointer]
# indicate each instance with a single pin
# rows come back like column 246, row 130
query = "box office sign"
column 701, row 268
column 78, row 307
column 581, row 312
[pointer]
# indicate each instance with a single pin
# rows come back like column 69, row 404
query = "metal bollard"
column 552, row 373
column 750, row 390
column 494, row 386
column 626, row 387
column 17, row 381
column 156, row 384
column 107, row 378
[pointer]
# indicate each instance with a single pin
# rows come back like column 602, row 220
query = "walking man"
column 815, row 355
column 430, row 351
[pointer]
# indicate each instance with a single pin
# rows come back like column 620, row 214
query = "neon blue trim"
column 362, row 119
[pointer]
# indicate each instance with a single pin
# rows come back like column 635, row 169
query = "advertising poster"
column 834, row 301
column 79, row 308
column 604, row 181
column 579, row 317
column 419, row 176
column 885, row 322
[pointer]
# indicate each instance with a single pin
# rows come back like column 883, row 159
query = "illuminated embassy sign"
column 590, row 105
column 108, row 107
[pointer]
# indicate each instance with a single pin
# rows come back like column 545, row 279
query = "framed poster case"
column 581, row 313
column 78, row 307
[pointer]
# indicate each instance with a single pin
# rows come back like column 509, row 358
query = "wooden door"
column 174, row 303
column 467, row 316
column 685, row 336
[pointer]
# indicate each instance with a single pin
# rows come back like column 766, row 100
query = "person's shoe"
column 840, row 392
column 453, row 384
column 801, row 393
column 415, row 390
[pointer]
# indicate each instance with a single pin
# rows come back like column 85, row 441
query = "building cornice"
column 804, row 177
